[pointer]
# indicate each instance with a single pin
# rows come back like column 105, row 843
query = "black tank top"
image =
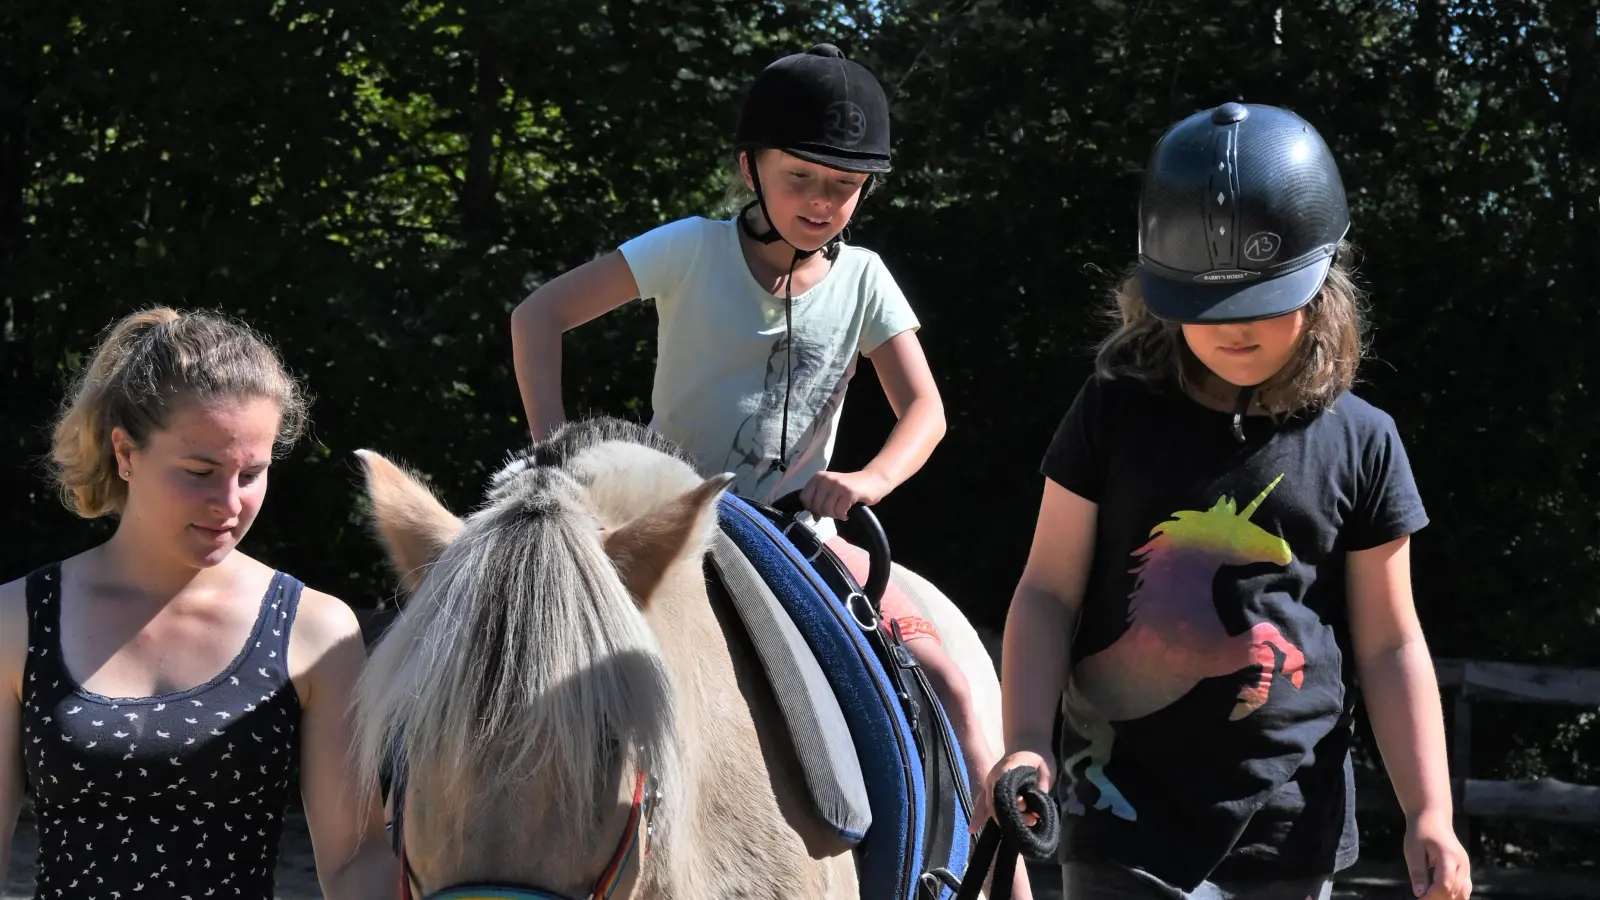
column 177, row 796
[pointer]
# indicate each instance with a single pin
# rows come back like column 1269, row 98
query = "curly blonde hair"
column 1332, row 344
column 148, row 364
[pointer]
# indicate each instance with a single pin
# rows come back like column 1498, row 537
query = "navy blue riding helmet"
column 824, row 109
column 1240, row 219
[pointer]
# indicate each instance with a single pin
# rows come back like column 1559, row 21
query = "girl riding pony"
column 763, row 317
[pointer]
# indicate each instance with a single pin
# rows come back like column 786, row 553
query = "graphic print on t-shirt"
column 816, row 388
column 1175, row 638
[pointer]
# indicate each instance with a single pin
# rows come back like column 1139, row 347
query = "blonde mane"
column 565, row 637
column 522, row 651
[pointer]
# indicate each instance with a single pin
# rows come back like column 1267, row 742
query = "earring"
column 125, row 474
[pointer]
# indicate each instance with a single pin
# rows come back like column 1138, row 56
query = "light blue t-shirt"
column 721, row 360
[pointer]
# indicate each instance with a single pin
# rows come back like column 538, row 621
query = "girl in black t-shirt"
column 1222, row 553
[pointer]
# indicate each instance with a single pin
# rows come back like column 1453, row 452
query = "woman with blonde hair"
column 160, row 692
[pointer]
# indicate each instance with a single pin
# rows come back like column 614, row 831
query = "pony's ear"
column 413, row 525
column 677, row 531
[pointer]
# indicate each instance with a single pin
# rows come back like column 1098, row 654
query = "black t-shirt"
column 1217, row 562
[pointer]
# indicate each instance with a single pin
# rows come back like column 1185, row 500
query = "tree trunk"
column 477, row 195
column 1425, row 88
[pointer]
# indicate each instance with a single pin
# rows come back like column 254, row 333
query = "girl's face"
column 197, row 485
column 1247, row 353
column 808, row 204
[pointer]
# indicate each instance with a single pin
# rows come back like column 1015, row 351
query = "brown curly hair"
column 1332, row 344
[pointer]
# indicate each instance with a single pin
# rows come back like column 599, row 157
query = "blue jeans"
column 1107, row 881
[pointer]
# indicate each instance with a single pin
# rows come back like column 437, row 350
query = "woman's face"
column 198, row 484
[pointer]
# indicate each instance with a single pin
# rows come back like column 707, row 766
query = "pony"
column 576, row 714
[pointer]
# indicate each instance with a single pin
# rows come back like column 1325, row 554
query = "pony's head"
column 522, row 685
column 1225, row 533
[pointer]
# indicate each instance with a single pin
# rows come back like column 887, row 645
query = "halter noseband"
column 635, row 846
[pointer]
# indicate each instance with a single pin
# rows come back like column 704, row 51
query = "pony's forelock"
column 520, row 657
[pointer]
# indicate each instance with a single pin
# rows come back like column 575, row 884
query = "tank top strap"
column 43, row 595
column 278, row 618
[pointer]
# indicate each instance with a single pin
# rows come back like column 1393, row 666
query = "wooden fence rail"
column 1463, row 683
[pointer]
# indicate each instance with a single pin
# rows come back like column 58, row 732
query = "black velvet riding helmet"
column 819, row 107
column 824, row 109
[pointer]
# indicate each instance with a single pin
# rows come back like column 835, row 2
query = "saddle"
column 882, row 765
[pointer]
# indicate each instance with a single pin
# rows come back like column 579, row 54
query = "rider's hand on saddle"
column 829, row 495
column 1047, row 772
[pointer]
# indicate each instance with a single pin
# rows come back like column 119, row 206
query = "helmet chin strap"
column 772, row 236
column 1240, row 407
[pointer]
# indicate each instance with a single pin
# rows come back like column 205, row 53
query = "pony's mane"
column 574, row 437
column 522, row 666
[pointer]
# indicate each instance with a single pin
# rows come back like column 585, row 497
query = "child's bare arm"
column 585, row 293
column 1039, row 628
column 908, row 384
column 1402, row 694
column 903, row 371
column 1402, row 697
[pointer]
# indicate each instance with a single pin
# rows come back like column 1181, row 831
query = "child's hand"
column 982, row 804
column 829, row 495
column 1436, row 860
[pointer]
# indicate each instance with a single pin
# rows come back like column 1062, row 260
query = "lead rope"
column 1007, row 835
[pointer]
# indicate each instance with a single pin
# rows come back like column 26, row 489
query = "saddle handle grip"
column 865, row 523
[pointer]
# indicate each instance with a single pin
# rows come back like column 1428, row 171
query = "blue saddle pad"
column 894, row 854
